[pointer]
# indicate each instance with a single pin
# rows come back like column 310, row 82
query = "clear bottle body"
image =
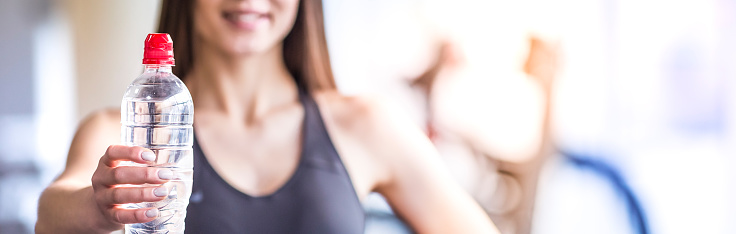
column 157, row 113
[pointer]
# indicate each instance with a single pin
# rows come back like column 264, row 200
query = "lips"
column 246, row 20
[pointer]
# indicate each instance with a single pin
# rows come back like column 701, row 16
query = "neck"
column 244, row 87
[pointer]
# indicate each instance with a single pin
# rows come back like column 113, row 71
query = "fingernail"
column 148, row 156
column 160, row 192
column 165, row 174
column 152, row 213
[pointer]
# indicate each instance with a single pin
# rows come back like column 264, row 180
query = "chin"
column 250, row 47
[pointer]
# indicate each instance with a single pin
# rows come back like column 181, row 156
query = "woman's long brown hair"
column 304, row 48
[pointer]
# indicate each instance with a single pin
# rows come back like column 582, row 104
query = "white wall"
column 108, row 44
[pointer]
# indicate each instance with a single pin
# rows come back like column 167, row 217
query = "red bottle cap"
column 158, row 49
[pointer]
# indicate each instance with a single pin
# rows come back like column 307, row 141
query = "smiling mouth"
column 245, row 20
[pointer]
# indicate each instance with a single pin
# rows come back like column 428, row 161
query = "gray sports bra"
column 318, row 198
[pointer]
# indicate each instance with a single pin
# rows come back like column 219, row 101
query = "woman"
column 277, row 149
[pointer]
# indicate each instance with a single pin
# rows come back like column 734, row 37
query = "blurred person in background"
column 489, row 104
column 504, row 175
column 480, row 94
column 503, row 183
column 277, row 149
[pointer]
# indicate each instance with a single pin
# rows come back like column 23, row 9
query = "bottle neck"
column 156, row 68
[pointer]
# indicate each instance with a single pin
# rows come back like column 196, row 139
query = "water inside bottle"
column 157, row 114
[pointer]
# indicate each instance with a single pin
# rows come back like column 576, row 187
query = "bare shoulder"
column 382, row 128
column 373, row 134
column 377, row 126
column 359, row 110
column 362, row 116
column 104, row 117
column 96, row 132
column 101, row 123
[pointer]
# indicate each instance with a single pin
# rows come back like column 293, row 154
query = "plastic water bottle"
column 157, row 113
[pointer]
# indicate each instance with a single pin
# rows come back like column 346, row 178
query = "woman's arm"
column 66, row 205
column 71, row 204
column 419, row 187
column 405, row 167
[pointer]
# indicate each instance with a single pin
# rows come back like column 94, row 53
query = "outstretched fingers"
column 116, row 153
column 124, row 195
column 126, row 216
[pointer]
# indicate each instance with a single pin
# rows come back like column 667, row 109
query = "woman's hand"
column 109, row 176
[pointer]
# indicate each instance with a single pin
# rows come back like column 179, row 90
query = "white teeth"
column 248, row 17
